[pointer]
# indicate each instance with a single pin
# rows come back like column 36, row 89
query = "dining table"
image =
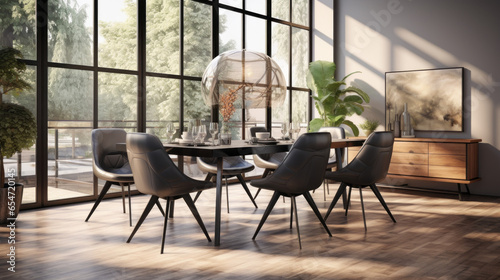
column 242, row 148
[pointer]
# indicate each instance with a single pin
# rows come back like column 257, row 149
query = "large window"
column 137, row 64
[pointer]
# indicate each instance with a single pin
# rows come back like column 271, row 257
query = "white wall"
column 377, row 36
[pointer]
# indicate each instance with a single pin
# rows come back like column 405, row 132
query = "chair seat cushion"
column 272, row 161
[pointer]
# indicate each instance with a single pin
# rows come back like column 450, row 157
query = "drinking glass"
column 202, row 132
column 194, row 134
column 294, row 129
column 170, row 129
column 285, row 129
column 214, row 129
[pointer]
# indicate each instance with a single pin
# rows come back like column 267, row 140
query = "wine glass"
column 285, row 129
column 170, row 129
column 194, row 133
column 214, row 129
column 294, row 129
column 202, row 132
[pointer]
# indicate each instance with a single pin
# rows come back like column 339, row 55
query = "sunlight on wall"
column 323, row 31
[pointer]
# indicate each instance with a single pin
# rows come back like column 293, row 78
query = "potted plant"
column 17, row 130
column 332, row 102
column 369, row 126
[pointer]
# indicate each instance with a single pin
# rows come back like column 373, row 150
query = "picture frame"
column 434, row 98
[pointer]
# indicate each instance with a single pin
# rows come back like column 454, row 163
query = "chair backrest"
column 303, row 168
column 373, row 159
column 154, row 171
column 256, row 129
column 105, row 156
column 336, row 133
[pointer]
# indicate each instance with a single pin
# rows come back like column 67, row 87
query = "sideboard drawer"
column 447, row 160
column 409, row 169
column 409, row 158
column 411, row 147
column 447, row 149
column 449, row 172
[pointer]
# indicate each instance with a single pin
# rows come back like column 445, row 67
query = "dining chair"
column 370, row 166
column 110, row 165
column 231, row 167
column 267, row 161
column 302, row 170
column 156, row 174
column 336, row 133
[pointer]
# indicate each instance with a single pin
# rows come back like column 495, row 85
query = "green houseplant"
column 369, row 126
column 17, row 129
column 331, row 100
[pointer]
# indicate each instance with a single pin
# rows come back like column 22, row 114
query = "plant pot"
column 10, row 202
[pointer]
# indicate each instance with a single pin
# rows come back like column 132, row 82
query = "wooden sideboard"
column 433, row 159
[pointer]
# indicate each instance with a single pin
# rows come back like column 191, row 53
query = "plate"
column 266, row 142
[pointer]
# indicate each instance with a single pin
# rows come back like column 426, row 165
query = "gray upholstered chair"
column 110, row 165
column 370, row 166
column 302, row 170
column 156, row 174
column 232, row 166
column 267, row 161
column 336, row 133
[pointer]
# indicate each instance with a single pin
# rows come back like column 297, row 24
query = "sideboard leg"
column 459, row 191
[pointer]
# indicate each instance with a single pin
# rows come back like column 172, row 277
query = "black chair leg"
column 291, row 215
column 227, row 196
column 382, row 201
column 149, row 206
column 362, row 205
column 264, row 175
column 348, row 200
column 208, row 178
column 165, row 222
column 310, row 200
column 123, row 197
column 340, row 191
column 104, row 190
column 196, row 214
column 294, row 206
column 245, row 187
column 269, row 208
column 129, row 205
column 161, row 208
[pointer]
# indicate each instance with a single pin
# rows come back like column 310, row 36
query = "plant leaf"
column 315, row 124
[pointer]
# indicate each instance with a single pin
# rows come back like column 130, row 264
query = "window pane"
column 255, row 34
column 70, row 95
column 70, row 122
column 281, row 9
column 162, row 105
column 194, row 106
column 257, row 6
column 117, row 101
column 280, row 115
column 300, row 56
column 70, row 35
column 300, row 12
column 234, row 3
column 162, row 36
column 197, row 38
column 281, row 48
column 18, row 26
column 23, row 164
column 230, row 28
column 118, row 34
column 300, row 101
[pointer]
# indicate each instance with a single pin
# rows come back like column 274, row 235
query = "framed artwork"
column 434, row 98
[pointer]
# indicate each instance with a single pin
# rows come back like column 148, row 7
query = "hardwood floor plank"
column 435, row 237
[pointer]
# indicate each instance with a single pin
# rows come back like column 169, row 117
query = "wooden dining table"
column 241, row 148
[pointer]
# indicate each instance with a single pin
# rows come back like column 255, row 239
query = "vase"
column 406, row 119
column 225, row 135
column 397, row 127
column 10, row 202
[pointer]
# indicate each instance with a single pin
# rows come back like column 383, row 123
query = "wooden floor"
column 435, row 237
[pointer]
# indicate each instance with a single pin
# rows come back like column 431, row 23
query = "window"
column 138, row 67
